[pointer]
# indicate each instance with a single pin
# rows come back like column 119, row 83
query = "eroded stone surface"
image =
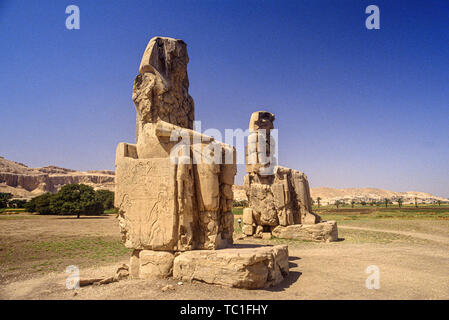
column 155, row 264
column 277, row 196
column 173, row 189
column 248, row 268
column 323, row 231
column 161, row 89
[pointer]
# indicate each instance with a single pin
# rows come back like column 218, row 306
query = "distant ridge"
column 25, row 182
column 330, row 195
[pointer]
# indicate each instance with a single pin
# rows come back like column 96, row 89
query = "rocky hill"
column 330, row 195
column 25, row 182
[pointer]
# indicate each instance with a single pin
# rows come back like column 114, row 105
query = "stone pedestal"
column 247, row 268
column 323, row 231
column 149, row 264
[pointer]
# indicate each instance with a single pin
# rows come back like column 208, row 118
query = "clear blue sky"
column 354, row 107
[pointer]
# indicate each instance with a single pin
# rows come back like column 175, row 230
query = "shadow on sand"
column 83, row 217
column 292, row 277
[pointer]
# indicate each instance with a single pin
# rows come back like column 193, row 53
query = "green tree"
column 240, row 203
column 318, row 201
column 17, row 203
column 337, row 203
column 106, row 197
column 4, row 199
column 363, row 203
column 40, row 204
column 76, row 199
column 399, row 201
column 352, row 203
column 386, row 202
column 439, row 202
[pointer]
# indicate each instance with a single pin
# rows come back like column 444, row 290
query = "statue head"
column 261, row 120
column 161, row 90
column 167, row 58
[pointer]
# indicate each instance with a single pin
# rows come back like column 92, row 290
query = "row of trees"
column 240, row 203
column 385, row 202
column 6, row 201
column 72, row 199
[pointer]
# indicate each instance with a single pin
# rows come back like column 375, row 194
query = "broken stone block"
column 122, row 272
column 88, row 282
column 247, row 268
column 258, row 232
column 248, row 229
column 134, row 265
column 323, row 231
column 266, row 235
column 155, row 264
column 248, row 216
column 168, row 287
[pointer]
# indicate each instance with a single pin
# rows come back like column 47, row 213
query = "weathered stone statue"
column 277, row 196
column 174, row 186
column 165, row 201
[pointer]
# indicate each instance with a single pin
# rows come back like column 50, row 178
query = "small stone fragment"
column 266, row 235
column 168, row 287
column 323, row 231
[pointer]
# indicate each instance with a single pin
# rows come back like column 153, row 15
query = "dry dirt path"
column 419, row 235
column 324, row 271
column 409, row 269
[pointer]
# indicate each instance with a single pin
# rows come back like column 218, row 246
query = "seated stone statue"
column 277, row 196
column 173, row 189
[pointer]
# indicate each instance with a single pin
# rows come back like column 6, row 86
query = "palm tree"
column 337, row 203
column 439, row 202
column 416, row 202
column 386, row 202
column 399, row 200
column 318, row 201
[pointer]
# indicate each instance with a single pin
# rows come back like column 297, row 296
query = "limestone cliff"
column 25, row 182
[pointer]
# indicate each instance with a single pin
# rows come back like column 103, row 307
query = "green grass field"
column 370, row 213
column 429, row 212
column 407, row 218
column 11, row 210
column 43, row 256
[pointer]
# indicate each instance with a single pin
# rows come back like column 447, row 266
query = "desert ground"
column 410, row 246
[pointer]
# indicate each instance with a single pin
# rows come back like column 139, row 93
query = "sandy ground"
column 413, row 265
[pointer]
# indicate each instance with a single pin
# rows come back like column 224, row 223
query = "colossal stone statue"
column 277, row 196
column 174, row 187
column 166, row 201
